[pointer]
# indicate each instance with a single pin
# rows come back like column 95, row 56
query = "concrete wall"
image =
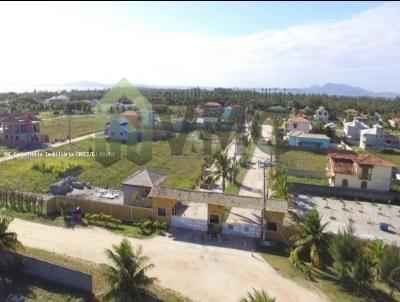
column 51, row 272
column 189, row 223
column 349, row 193
column 305, row 127
column 122, row 212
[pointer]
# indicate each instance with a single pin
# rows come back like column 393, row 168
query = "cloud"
column 53, row 44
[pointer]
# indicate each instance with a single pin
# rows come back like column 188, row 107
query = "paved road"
column 187, row 262
column 49, row 146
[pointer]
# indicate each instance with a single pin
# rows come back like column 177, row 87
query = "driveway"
column 185, row 262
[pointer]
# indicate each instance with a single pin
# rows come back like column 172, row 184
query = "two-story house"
column 352, row 129
column 321, row 114
column 359, row 171
column 298, row 123
column 21, row 131
column 373, row 138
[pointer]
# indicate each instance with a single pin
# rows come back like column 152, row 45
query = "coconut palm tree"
column 127, row 274
column 8, row 240
column 257, row 296
column 223, row 166
column 361, row 271
column 311, row 234
column 390, row 267
column 375, row 252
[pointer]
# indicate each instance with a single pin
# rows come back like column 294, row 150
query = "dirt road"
column 202, row 272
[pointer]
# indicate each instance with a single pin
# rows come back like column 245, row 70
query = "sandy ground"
column 365, row 216
column 185, row 262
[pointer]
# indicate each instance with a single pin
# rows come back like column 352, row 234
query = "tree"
column 277, row 123
column 311, row 235
column 255, row 129
column 390, row 267
column 375, row 252
column 223, row 167
column 127, row 274
column 344, row 250
column 257, row 296
column 280, row 183
column 8, row 240
column 362, row 270
column 318, row 126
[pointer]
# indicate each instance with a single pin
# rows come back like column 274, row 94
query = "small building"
column 359, row 171
column 212, row 109
column 321, row 114
column 308, row 140
column 352, row 129
column 138, row 186
column 394, row 122
column 229, row 113
column 298, row 123
column 373, row 138
column 21, row 131
column 206, row 121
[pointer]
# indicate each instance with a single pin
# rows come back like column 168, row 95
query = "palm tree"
column 280, row 183
column 8, row 240
column 375, row 251
column 390, row 267
column 344, row 249
column 127, row 275
column 223, row 168
column 257, row 296
column 255, row 130
column 276, row 125
column 311, row 234
column 362, row 270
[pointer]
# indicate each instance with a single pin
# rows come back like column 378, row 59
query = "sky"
column 224, row 44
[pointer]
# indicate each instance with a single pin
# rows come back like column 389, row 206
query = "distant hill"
column 345, row 90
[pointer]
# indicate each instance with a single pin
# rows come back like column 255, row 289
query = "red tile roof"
column 298, row 119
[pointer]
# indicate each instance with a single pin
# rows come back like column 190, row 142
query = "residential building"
column 359, row 171
column 21, row 131
column 394, row 122
column 212, row 109
column 373, row 138
column 308, row 140
column 298, row 123
column 352, row 129
column 322, row 114
column 207, row 120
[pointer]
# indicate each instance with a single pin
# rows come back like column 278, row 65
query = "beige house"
column 373, row 138
column 321, row 114
column 298, row 123
column 359, row 171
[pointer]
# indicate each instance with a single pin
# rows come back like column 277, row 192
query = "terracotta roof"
column 21, row 118
column 298, row 119
column 212, row 104
column 246, row 202
column 369, row 159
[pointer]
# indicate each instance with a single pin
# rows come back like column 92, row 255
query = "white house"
column 352, row 129
column 362, row 171
column 373, row 138
column 395, row 123
column 298, row 123
column 321, row 114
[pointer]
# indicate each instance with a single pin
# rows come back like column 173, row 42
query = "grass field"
column 303, row 160
column 308, row 180
column 6, row 149
column 183, row 170
column 57, row 128
column 50, row 292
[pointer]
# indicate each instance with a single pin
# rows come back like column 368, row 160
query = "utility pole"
column 265, row 194
column 69, row 127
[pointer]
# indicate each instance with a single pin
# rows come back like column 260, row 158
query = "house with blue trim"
column 299, row 138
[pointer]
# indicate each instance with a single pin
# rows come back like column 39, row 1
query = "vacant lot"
column 303, row 160
column 183, row 169
column 57, row 128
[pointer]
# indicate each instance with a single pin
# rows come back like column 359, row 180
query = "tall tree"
column 361, row 271
column 223, row 166
column 310, row 234
column 127, row 274
column 257, row 296
column 390, row 267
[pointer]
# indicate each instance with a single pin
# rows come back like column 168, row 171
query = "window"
column 345, row 183
column 364, row 185
column 214, row 219
column 365, row 173
column 162, row 212
column 272, row 226
column 295, row 125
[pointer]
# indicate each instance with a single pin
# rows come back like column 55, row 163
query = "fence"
column 248, row 230
column 50, row 272
column 189, row 223
column 369, row 195
column 122, row 212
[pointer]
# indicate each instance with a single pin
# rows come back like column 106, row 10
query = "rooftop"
column 299, row 133
column 298, row 119
column 246, row 202
column 144, row 178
